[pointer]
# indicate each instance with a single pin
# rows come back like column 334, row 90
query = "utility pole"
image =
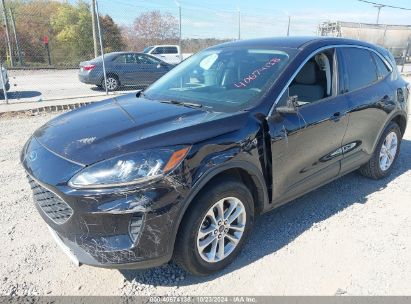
column 379, row 7
column 93, row 20
column 180, row 41
column 239, row 23
column 95, row 8
column 13, row 24
column 6, row 23
column 288, row 27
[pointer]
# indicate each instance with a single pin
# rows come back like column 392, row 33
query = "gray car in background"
column 123, row 69
column 4, row 80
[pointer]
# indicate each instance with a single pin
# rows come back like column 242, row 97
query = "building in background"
column 396, row 38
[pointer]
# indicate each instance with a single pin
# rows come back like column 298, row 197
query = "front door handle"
column 336, row 116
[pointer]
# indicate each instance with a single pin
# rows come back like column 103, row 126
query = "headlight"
column 129, row 169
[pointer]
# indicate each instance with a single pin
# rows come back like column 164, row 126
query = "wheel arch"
column 240, row 170
column 399, row 118
column 401, row 121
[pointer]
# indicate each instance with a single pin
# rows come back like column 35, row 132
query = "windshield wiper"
column 183, row 103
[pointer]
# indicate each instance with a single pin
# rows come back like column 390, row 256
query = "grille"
column 52, row 205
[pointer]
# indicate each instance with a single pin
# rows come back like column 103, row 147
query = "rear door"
column 172, row 55
column 126, row 68
column 306, row 146
column 370, row 98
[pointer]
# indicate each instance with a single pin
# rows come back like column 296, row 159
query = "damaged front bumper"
column 114, row 228
column 80, row 256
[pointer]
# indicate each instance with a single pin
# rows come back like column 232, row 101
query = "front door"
column 306, row 145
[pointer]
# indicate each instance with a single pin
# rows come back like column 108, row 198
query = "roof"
column 295, row 42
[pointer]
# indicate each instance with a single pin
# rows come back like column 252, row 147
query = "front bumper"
column 113, row 228
column 79, row 256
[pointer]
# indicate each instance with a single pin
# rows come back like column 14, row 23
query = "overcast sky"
column 259, row 18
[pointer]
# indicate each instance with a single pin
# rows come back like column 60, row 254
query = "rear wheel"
column 214, row 229
column 112, row 83
column 382, row 161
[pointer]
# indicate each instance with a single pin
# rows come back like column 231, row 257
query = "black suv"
column 181, row 169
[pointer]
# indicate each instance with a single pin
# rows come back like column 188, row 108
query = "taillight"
column 88, row 67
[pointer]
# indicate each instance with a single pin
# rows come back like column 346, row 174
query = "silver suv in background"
column 4, row 80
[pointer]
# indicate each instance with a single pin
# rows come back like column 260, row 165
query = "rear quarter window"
column 382, row 68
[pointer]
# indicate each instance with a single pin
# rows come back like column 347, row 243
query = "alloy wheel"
column 111, row 83
column 388, row 151
column 221, row 229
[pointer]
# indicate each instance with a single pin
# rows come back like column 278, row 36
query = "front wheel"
column 214, row 228
column 386, row 153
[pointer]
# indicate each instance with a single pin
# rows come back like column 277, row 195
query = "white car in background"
column 4, row 78
column 168, row 53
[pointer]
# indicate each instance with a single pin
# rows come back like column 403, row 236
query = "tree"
column 68, row 27
column 72, row 25
column 32, row 24
column 152, row 28
column 73, row 28
column 113, row 40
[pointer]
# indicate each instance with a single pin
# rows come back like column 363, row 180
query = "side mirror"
column 291, row 107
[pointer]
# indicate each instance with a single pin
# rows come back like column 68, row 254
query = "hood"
column 127, row 124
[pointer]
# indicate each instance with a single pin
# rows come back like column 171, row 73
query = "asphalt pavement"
column 49, row 85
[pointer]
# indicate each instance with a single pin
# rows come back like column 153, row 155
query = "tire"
column 375, row 168
column 113, row 83
column 226, row 193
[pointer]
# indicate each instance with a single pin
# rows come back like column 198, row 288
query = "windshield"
column 226, row 79
column 148, row 49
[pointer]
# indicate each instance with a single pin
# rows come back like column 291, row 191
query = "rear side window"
column 383, row 70
column 127, row 58
column 361, row 70
column 171, row 50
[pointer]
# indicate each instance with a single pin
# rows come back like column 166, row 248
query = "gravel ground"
column 350, row 237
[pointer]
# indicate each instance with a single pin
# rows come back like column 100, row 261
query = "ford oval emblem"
column 32, row 156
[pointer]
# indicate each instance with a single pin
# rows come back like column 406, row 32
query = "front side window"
column 226, row 79
column 158, row 50
column 360, row 68
column 143, row 59
column 148, row 49
column 315, row 80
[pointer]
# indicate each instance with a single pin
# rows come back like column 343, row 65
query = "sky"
column 259, row 18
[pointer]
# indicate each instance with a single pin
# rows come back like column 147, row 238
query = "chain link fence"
column 53, row 49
